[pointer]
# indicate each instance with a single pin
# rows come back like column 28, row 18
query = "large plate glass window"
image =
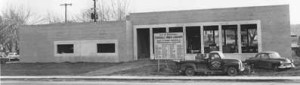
column 230, row 44
column 210, row 38
column 193, row 39
column 249, row 38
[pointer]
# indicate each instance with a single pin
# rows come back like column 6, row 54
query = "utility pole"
column 95, row 13
column 66, row 9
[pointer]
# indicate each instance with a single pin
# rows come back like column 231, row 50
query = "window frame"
column 184, row 25
column 249, row 46
column 80, row 45
column 98, row 50
column 75, row 50
column 57, row 50
column 192, row 50
column 105, row 42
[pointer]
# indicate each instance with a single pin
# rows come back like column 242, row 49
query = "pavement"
column 153, row 78
column 140, row 83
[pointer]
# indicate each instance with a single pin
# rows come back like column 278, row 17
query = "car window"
column 258, row 56
column 264, row 56
column 215, row 56
column 274, row 55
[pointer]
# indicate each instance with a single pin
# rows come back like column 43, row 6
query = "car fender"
column 186, row 65
column 227, row 65
column 275, row 63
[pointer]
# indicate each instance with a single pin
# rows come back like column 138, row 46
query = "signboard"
column 168, row 46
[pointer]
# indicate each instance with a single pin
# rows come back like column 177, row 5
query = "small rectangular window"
column 106, row 48
column 65, row 48
column 176, row 29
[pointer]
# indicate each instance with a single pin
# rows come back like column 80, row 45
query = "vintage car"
column 13, row 57
column 270, row 60
column 211, row 63
column 3, row 59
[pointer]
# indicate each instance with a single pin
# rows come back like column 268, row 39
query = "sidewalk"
column 200, row 78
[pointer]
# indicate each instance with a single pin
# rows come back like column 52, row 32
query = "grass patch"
column 44, row 69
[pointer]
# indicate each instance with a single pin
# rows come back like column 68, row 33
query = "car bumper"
column 286, row 66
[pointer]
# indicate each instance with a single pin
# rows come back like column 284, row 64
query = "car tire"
column 189, row 71
column 232, row 71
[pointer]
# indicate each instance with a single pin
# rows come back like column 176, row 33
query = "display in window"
column 249, row 38
column 229, row 33
column 210, row 38
column 193, row 39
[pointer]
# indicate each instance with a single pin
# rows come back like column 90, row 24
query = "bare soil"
column 42, row 69
column 133, row 68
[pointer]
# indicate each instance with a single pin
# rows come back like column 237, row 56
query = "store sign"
column 168, row 46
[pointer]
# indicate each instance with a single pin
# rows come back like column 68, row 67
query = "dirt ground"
column 170, row 70
column 42, row 69
column 133, row 68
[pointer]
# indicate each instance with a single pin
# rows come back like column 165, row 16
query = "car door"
column 264, row 61
column 215, row 62
column 255, row 61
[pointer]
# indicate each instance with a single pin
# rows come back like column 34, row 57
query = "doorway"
column 143, row 43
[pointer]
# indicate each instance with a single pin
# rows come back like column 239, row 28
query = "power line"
column 66, row 9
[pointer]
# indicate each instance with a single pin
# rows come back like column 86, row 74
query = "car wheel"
column 232, row 71
column 189, row 72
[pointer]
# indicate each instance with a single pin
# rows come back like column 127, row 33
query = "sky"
column 44, row 7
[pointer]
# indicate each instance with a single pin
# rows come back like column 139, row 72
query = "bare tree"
column 85, row 16
column 10, row 21
column 49, row 18
column 107, row 10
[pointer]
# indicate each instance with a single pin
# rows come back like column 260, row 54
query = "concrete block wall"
column 275, row 24
column 37, row 42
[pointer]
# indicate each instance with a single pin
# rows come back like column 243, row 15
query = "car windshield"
column 274, row 55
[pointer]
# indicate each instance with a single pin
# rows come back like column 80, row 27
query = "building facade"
column 237, row 32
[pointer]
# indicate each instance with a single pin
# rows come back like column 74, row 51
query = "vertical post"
column 66, row 14
column 184, row 41
column 158, row 65
column 66, row 10
column 152, row 56
column 239, row 39
column 202, row 36
column 95, row 14
column 220, row 38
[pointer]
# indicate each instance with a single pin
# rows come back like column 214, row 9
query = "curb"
column 147, row 78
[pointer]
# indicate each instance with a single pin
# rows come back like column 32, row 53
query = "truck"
column 211, row 63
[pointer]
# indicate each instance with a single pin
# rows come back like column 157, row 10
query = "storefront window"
column 210, row 38
column 249, row 38
column 193, row 39
column 229, row 33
